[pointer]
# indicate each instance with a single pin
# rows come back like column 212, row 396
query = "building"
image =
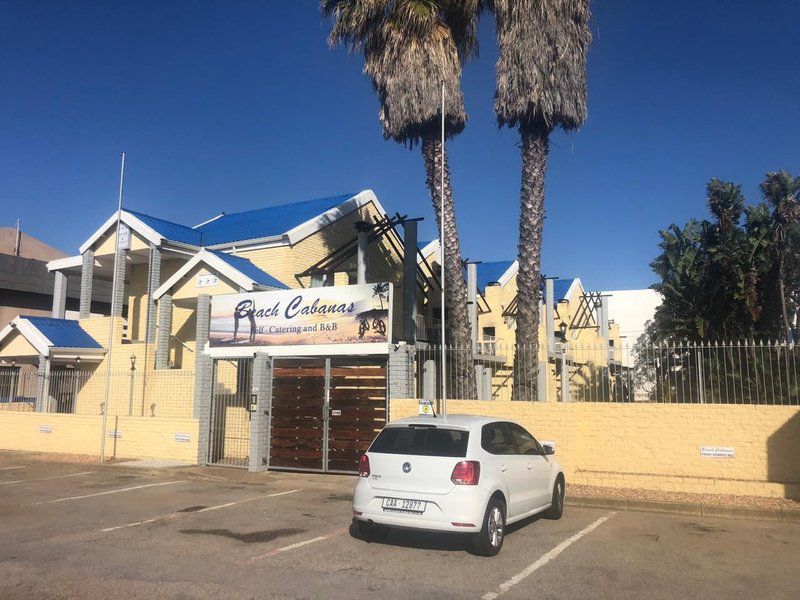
column 26, row 286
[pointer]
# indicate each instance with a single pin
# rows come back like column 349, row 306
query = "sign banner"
column 352, row 314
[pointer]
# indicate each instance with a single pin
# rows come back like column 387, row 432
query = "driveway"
column 86, row 530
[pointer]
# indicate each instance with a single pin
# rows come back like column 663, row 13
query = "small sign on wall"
column 46, row 428
column 206, row 280
column 717, row 452
column 115, row 434
column 182, row 437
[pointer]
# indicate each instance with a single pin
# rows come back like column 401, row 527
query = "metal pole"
column 441, row 258
column 111, row 318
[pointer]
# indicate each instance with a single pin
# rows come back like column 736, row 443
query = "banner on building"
column 321, row 316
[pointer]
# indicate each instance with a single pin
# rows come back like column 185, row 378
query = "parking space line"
column 546, row 558
column 47, row 478
column 127, row 489
column 10, row 468
column 172, row 515
column 297, row 545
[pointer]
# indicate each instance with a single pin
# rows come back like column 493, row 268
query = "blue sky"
column 237, row 105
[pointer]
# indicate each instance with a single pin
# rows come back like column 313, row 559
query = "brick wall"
column 138, row 437
column 657, row 446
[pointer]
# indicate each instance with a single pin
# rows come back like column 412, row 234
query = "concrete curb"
column 678, row 508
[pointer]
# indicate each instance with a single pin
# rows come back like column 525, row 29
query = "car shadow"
column 434, row 540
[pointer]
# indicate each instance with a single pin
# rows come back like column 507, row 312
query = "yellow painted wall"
column 80, row 434
column 15, row 346
column 657, row 446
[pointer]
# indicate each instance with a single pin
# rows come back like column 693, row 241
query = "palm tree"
column 780, row 189
column 541, row 85
column 411, row 48
column 381, row 290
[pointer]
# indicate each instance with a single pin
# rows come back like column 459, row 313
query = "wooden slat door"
column 357, row 409
column 298, row 401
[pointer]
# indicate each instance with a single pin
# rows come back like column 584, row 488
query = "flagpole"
column 441, row 258
column 114, row 284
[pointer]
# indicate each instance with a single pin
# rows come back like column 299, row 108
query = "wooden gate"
column 325, row 412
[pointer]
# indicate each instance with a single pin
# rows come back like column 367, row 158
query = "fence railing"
column 164, row 393
column 711, row 373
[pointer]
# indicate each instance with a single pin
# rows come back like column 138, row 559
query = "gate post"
column 401, row 371
column 260, row 408
column 203, row 374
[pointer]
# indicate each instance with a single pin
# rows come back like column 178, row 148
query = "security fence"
column 131, row 393
column 712, row 373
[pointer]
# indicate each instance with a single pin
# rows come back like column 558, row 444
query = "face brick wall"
column 657, row 446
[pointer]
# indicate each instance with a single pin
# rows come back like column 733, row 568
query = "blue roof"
column 168, row 229
column 63, row 333
column 245, row 267
column 266, row 222
column 248, row 225
column 560, row 289
column 491, row 272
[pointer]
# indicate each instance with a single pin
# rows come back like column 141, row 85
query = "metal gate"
column 325, row 412
column 229, row 442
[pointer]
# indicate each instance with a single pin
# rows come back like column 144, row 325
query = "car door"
column 507, row 464
column 538, row 471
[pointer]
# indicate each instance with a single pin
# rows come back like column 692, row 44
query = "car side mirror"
column 548, row 449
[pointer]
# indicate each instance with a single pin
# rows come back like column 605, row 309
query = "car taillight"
column 363, row 466
column 467, row 472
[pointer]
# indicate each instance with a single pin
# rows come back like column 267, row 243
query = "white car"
column 456, row 473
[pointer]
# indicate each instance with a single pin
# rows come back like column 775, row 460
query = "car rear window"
column 421, row 441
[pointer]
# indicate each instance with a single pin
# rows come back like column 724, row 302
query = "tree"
column 411, row 48
column 780, row 189
column 541, row 85
column 723, row 281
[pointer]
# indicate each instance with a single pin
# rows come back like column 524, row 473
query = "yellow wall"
column 657, row 446
column 80, row 434
column 16, row 346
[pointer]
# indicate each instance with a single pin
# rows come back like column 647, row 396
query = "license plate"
column 401, row 505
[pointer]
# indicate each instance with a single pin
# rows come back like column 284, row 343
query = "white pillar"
column 472, row 302
column 363, row 241
column 59, row 295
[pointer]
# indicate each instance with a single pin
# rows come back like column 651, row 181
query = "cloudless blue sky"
column 238, row 105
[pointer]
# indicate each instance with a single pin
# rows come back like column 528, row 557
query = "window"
column 524, row 441
column 496, row 439
column 489, row 333
column 421, row 441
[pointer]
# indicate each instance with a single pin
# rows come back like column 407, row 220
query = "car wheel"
column 490, row 538
column 370, row 532
column 557, row 507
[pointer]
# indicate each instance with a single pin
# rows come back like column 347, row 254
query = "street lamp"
column 562, row 329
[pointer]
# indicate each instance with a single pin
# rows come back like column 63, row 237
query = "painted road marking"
column 127, row 489
column 47, row 478
column 172, row 515
column 298, row 545
column 544, row 559
column 10, row 468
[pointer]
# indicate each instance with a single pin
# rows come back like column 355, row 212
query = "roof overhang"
column 509, row 274
column 137, row 225
column 303, row 230
column 42, row 344
column 214, row 262
column 428, row 249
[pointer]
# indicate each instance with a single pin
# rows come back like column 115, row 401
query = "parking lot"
column 86, row 530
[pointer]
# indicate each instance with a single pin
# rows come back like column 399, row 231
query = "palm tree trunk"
column 462, row 384
column 535, row 143
column 782, row 291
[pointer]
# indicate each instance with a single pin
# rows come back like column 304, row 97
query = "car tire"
column 489, row 540
column 370, row 532
column 557, row 507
